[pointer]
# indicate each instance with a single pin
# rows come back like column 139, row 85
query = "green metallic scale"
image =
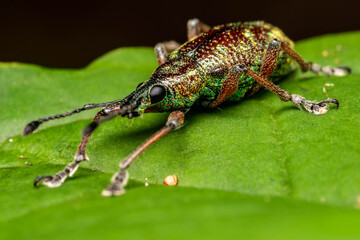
column 223, row 63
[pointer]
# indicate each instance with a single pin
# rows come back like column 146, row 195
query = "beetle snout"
column 127, row 110
column 132, row 108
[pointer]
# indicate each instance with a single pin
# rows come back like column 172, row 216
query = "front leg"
column 119, row 180
column 80, row 156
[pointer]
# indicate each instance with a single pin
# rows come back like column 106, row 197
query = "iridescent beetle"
column 224, row 63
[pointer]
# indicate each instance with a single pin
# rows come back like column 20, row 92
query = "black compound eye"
column 157, row 93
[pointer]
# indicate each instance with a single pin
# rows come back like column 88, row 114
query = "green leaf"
column 259, row 169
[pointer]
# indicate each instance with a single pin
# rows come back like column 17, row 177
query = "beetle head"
column 173, row 86
column 146, row 95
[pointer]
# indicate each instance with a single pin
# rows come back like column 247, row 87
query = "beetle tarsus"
column 346, row 68
column 339, row 71
column 312, row 107
column 329, row 100
column 39, row 179
column 118, row 182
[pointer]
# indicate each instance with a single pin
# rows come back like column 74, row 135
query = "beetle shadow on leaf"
column 134, row 184
column 308, row 78
column 132, row 136
column 197, row 110
column 285, row 109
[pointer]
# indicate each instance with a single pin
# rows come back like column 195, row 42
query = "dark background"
column 71, row 34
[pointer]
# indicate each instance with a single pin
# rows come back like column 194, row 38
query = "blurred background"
column 70, row 34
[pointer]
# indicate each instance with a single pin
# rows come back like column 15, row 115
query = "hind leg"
column 305, row 66
column 309, row 66
column 268, row 66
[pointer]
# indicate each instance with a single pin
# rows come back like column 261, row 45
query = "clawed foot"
column 118, row 182
column 312, row 107
column 113, row 190
column 59, row 178
column 50, row 181
column 339, row 71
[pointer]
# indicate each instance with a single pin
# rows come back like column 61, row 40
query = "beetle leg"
column 119, row 179
column 229, row 86
column 268, row 66
column 270, row 59
column 80, row 156
column 195, row 27
column 306, row 66
column 310, row 106
column 163, row 49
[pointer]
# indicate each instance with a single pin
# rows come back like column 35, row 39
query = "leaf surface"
column 258, row 169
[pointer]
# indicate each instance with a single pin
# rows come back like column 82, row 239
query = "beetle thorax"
column 183, row 76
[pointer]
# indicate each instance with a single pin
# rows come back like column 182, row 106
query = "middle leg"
column 195, row 27
column 120, row 178
column 162, row 50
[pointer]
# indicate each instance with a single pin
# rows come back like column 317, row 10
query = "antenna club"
column 31, row 127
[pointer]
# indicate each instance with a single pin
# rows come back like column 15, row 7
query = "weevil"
column 224, row 63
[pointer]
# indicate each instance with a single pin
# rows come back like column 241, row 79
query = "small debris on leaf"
column 170, row 180
column 28, row 164
column 11, row 140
